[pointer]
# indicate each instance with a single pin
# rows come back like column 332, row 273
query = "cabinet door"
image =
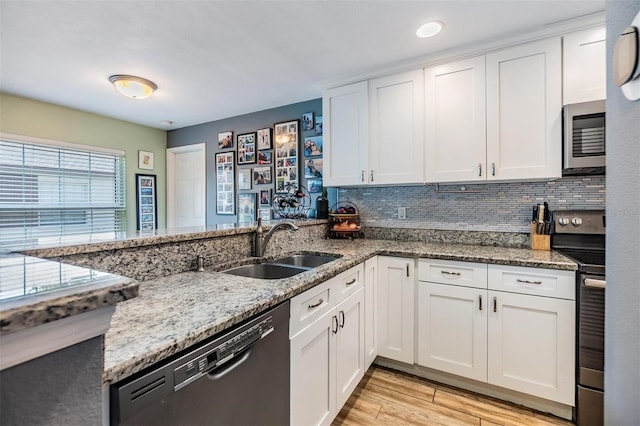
column 396, row 114
column 532, row 345
column 349, row 346
column 524, row 111
column 452, row 329
column 584, row 67
column 370, row 311
column 345, row 128
column 455, row 125
column 313, row 387
column 396, row 308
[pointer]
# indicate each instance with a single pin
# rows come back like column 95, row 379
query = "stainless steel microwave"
column 584, row 138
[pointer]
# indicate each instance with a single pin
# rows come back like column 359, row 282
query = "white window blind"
column 50, row 193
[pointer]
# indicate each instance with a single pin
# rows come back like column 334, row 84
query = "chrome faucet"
column 261, row 239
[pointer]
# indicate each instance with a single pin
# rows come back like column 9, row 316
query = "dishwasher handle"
column 226, row 368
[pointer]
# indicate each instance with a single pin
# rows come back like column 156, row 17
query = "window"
column 50, row 192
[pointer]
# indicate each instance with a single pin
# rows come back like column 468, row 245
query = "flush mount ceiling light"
column 429, row 29
column 132, row 86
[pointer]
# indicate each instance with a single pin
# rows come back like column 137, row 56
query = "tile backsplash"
column 501, row 207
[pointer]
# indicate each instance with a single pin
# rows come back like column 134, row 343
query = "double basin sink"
column 282, row 268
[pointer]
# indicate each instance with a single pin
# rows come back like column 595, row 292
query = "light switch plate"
column 402, row 212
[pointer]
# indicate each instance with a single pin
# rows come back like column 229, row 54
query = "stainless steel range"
column 580, row 235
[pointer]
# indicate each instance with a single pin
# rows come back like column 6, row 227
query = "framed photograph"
column 313, row 168
column 146, row 203
column 265, row 157
column 264, row 138
column 264, row 214
column 247, row 207
column 244, row 179
column 312, row 146
column 318, row 128
column 225, row 140
column 247, row 148
column 145, row 160
column 225, row 183
column 262, row 176
column 314, row 185
column 264, row 197
column 307, row 121
column 286, row 150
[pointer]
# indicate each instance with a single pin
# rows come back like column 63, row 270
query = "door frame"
column 171, row 183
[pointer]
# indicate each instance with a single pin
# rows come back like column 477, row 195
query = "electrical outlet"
column 402, row 212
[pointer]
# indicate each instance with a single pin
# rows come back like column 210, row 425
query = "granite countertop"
column 174, row 312
column 36, row 291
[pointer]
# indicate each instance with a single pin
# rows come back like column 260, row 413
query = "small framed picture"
column 265, row 157
column 264, row 197
column 145, row 160
column 247, row 148
column 146, row 201
column 262, row 176
column 307, row 121
column 318, row 125
column 313, row 168
column 264, row 138
column 314, row 185
column 225, row 182
column 225, row 140
column 246, row 207
column 244, row 179
column 264, row 214
column 312, row 146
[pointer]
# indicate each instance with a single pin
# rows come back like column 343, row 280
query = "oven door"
column 591, row 331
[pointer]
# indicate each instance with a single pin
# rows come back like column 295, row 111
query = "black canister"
column 322, row 208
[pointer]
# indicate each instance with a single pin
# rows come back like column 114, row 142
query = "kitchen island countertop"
column 174, row 312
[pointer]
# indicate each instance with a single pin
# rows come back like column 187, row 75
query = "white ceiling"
column 217, row 59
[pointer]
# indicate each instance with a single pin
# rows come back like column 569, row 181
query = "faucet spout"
column 261, row 239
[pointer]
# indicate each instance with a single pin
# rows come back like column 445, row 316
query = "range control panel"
column 580, row 222
column 221, row 353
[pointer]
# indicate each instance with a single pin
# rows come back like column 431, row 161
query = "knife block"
column 539, row 241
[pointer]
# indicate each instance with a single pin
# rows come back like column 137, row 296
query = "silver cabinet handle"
column 528, row 282
column 457, row 274
column 480, row 302
column 341, row 313
column 408, row 270
column 479, row 169
column 371, row 175
column 590, row 282
column 493, row 169
column 334, row 324
column 495, row 304
column 362, row 176
column 315, row 305
column 351, row 282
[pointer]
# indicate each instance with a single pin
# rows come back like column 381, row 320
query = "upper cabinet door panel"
column 345, row 134
column 584, row 66
column 396, row 108
column 524, row 111
column 455, row 125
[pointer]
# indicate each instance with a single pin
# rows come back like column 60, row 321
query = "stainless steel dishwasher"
column 239, row 378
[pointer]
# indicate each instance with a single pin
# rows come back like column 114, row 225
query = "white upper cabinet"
column 345, row 128
column 396, row 137
column 455, row 126
column 524, row 105
column 584, row 66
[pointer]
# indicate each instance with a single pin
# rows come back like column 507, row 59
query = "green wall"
column 27, row 117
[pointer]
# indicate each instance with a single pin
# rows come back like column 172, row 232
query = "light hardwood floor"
column 386, row 397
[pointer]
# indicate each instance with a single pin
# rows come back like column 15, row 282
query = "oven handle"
column 590, row 282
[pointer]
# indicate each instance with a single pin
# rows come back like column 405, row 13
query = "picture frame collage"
column 312, row 150
column 146, row 203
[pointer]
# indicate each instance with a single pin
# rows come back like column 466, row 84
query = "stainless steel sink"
column 306, row 260
column 266, row 271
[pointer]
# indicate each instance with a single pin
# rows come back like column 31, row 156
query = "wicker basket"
column 344, row 225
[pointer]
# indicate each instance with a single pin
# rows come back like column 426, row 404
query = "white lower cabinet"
column 396, row 298
column 370, row 311
column 327, row 356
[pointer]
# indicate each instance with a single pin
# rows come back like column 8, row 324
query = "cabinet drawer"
column 536, row 281
column 451, row 272
column 311, row 305
column 348, row 282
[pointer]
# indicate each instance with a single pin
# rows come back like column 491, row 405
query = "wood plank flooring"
column 387, row 397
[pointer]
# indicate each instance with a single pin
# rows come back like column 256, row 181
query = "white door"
column 349, row 346
column 455, row 125
column 524, row 111
column 452, row 329
column 186, row 186
column 396, row 308
column 584, row 66
column 396, row 139
column 531, row 345
column 370, row 311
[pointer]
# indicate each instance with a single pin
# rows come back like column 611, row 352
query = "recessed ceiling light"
column 429, row 29
column 166, row 122
column 132, row 86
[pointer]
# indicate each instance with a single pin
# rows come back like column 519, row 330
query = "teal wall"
column 27, row 117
